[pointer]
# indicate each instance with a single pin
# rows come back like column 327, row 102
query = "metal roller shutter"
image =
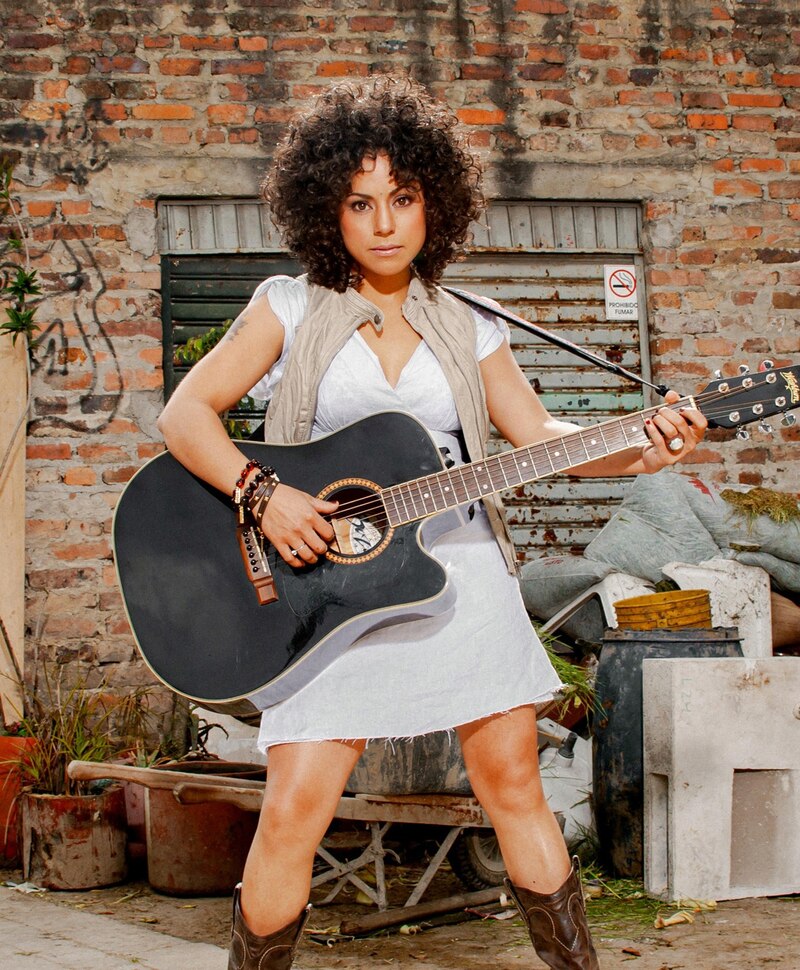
column 543, row 261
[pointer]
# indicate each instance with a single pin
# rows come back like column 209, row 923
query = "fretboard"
column 463, row 484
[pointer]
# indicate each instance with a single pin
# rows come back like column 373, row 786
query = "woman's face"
column 382, row 223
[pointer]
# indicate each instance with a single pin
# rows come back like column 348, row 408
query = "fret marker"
column 485, row 486
column 426, row 494
column 524, row 464
column 593, row 441
column 447, row 488
column 557, row 453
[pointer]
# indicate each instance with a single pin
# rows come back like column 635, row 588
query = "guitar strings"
column 365, row 505
column 373, row 508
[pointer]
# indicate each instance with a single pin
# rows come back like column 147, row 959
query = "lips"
column 385, row 250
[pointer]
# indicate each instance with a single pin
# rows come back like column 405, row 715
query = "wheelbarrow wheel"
column 475, row 858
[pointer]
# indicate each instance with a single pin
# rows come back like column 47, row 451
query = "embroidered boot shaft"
column 274, row 952
column 557, row 923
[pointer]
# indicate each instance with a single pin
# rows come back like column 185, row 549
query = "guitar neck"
column 423, row 497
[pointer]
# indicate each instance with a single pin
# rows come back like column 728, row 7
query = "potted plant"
column 13, row 742
column 73, row 833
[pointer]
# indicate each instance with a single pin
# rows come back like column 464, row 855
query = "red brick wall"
column 690, row 107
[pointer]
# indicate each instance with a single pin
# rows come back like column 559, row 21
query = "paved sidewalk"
column 36, row 934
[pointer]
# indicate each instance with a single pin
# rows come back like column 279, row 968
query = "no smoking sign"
column 621, row 292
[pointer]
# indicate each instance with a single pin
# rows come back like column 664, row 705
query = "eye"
column 405, row 199
column 359, row 205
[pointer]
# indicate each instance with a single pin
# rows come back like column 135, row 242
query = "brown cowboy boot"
column 273, row 952
column 557, row 923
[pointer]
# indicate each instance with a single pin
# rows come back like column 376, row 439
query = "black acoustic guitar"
column 226, row 622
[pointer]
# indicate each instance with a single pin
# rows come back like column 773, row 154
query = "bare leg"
column 503, row 766
column 304, row 783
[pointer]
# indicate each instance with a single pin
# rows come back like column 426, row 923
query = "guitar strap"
column 552, row 338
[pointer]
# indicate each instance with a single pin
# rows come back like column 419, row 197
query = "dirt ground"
column 737, row 935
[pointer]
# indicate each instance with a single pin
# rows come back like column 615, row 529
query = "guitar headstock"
column 732, row 402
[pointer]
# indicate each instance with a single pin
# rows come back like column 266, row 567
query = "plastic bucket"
column 676, row 609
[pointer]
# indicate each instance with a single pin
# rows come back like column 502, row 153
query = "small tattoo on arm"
column 238, row 325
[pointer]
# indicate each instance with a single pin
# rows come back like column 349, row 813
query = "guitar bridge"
column 256, row 565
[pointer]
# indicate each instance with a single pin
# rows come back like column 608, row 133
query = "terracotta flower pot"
column 11, row 749
column 74, row 841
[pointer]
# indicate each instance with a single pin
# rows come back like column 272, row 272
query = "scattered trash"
column 24, row 887
column 409, row 929
column 697, row 905
column 631, row 951
column 682, row 917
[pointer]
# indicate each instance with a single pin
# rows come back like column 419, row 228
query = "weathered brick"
column 481, row 116
column 546, row 7
column 27, row 65
column 253, row 43
column 755, row 100
column 753, row 123
column 39, row 451
column 372, row 25
column 274, row 115
column 311, row 44
column 786, row 301
column 789, row 189
column 195, row 43
column 763, row 165
column 184, row 66
column 715, row 122
column 342, row 69
column 238, row 67
column 163, row 112
column 737, row 187
column 243, row 136
column 227, row 114
column 175, row 136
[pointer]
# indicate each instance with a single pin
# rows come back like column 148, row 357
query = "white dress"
column 479, row 658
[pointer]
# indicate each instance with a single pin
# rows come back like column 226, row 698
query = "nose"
column 384, row 220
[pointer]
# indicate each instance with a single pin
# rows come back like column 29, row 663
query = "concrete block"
column 740, row 597
column 722, row 777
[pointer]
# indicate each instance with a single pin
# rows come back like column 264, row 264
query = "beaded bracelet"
column 245, row 496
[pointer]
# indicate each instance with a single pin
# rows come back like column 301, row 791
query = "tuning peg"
column 742, row 434
column 744, row 369
column 764, row 427
column 788, row 420
column 766, row 365
column 718, row 374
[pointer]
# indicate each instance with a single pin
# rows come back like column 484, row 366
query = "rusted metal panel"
column 243, row 225
column 564, row 294
column 202, row 226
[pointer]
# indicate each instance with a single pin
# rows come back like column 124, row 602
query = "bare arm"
column 519, row 415
column 196, row 436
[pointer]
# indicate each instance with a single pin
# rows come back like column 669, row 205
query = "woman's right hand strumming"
column 294, row 524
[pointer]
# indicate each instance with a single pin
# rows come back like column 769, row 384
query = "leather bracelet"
column 258, row 501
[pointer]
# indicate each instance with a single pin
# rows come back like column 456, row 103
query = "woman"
column 375, row 192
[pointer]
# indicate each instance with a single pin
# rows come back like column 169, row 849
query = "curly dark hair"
column 325, row 147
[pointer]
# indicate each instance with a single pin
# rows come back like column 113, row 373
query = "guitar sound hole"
column 360, row 524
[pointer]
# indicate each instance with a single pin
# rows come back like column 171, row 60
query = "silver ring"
column 303, row 545
column 676, row 443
